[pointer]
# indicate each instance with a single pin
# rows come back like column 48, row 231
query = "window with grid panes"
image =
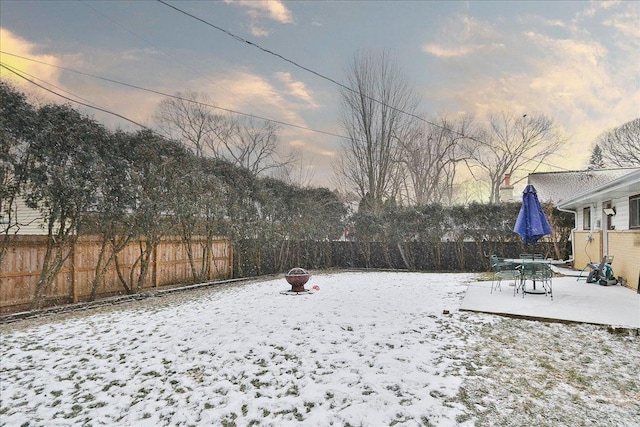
column 634, row 211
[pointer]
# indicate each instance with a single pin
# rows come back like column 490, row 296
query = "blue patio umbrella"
column 532, row 223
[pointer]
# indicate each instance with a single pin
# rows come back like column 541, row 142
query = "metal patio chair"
column 503, row 270
column 539, row 273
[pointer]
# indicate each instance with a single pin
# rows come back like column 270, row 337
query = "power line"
column 47, row 83
column 159, row 49
column 322, row 76
column 302, row 67
column 8, row 68
column 175, row 96
column 208, row 105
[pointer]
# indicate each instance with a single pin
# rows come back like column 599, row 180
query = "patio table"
column 520, row 262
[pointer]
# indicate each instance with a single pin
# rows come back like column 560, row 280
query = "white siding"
column 621, row 219
column 24, row 220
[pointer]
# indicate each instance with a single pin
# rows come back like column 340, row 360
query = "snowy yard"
column 367, row 349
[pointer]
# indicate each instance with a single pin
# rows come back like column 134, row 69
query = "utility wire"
column 14, row 69
column 176, row 97
column 8, row 68
column 159, row 49
column 205, row 104
column 322, row 76
column 302, row 67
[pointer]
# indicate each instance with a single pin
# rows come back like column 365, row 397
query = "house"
column 607, row 222
column 555, row 186
column 22, row 220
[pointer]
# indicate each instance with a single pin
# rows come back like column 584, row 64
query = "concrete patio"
column 573, row 301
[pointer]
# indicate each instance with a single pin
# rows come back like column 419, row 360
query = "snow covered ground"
column 367, row 349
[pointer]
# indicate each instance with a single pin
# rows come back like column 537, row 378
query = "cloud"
column 462, row 36
column 583, row 79
column 595, row 6
column 297, row 89
column 11, row 43
column 257, row 31
column 251, row 93
column 274, row 9
column 451, row 52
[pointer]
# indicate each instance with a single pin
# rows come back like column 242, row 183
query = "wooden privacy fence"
column 169, row 265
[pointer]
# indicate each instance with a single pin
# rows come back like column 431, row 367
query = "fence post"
column 74, row 271
column 230, row 260
column 154, row 272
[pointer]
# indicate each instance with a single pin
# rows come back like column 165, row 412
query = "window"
column 634, row 211
column 586, row 219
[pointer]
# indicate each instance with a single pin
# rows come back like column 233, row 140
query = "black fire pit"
column 297, row 278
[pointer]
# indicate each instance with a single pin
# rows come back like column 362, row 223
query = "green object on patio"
column 537, row 272
column 503, row 270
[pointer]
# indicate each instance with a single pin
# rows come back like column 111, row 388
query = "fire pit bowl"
column 297, row 278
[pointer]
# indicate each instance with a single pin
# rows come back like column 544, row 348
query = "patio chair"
column 503, row 270
column 597, row 271
column 539, row 273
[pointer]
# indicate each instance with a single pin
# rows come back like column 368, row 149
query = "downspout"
column 573, row 235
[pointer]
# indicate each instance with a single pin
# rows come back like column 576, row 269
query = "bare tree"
column 429, row 157
column 299, row 171
column 191, row 119
column 621, row 146
column 512, row 142
column 251, row 144
column 187, row 118
column 374, row 116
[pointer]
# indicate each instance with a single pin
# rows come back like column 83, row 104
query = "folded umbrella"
column 532, row 223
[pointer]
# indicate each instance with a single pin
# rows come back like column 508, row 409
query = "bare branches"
column 374, row 119
column 430, row 157
column 621, row 146
column 245, row 142
column 512, row 142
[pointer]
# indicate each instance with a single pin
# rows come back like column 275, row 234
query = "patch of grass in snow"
column 75, row 411
column 229, row 420
column 69, row 376
column 97, row 405
column 367, row 391
column 296, row 414
column 111, row 384
column 293, row 391
column 425, row 422
column 256, row 383
column 197, row 374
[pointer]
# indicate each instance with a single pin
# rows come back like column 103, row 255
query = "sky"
column 577, row 62
column 366, row 349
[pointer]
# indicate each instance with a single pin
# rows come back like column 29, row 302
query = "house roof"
column 559, row 186
column 626, row 185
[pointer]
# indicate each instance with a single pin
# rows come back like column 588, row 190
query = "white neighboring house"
column 607, row 222
column 23, row 220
